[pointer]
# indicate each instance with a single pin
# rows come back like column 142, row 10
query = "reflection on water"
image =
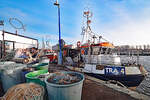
column 144, row 87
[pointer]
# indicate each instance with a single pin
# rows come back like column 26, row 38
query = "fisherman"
column 34, row 52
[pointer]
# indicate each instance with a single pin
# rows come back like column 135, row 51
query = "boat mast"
column 87, row 34
column 86, row 31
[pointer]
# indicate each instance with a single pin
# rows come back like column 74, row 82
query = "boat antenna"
column 86, row 30
column 100, row 37
column 87, row 33
column 94, row 37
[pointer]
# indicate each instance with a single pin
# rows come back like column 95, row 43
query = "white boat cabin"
column 102, row 53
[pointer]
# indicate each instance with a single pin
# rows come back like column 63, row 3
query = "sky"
column 119, row 21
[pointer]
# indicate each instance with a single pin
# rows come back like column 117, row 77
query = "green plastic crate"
column 41, row 66
column 32, row 77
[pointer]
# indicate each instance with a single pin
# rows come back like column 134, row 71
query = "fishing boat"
column 100, row 60
column 102, row 63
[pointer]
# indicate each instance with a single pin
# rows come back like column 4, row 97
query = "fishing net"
column 62, row 78
column 28, row 91
column 10, row 74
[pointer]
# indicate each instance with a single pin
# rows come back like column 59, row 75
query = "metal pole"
column 138, row 57
column 3, row 44
column 60, row 52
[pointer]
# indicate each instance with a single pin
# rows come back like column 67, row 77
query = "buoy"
column 82, row 51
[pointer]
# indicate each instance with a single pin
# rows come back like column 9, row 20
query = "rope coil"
column 29, row 91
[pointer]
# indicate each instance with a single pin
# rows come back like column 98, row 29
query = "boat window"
column 106, row 52
column 109, row 51
column 113, row 51
column 103, row 50
column 9, row 46
column 95, row 50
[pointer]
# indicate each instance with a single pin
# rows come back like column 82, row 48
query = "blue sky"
column 120, row 21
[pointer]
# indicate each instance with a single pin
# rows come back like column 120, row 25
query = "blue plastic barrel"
column 65, row 92
column 8, row 79
column 3, row 64
column 11, row 77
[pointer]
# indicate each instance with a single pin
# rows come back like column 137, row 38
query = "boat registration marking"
column 114, row 70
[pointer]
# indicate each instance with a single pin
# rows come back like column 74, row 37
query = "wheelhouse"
column 97, row 49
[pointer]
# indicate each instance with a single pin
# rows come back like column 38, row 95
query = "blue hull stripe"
column 127, row 80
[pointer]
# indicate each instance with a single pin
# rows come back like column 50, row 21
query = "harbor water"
column 144, row 87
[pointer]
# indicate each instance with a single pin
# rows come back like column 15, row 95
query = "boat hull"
column 126, row 80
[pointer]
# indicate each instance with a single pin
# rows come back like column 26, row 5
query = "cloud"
column 126, row 26
column 11, row 12
column 120, row 21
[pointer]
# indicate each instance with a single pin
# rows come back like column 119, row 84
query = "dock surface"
column 95, row 91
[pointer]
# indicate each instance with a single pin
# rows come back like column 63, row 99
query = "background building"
column 13, row 41
column 133, row 50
